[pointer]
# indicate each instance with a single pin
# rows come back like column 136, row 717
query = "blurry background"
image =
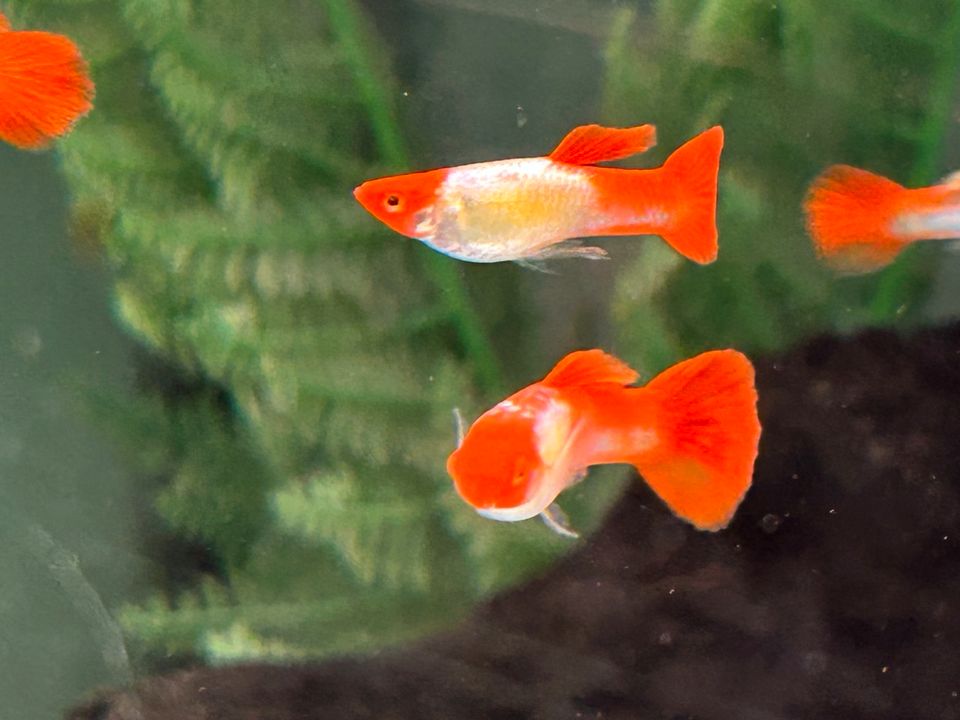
column 69, row 521
column 228, row 390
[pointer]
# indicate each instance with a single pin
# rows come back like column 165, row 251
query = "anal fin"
column 535, row 264
column 565, row 249
column 572, row 249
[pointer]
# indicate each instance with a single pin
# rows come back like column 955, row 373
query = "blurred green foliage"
column 798, row 85
column 215, row 173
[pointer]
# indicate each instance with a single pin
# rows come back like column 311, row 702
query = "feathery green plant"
column 798, row 85
column 217, row 169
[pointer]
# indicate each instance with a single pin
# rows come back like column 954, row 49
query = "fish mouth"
column 364, row 194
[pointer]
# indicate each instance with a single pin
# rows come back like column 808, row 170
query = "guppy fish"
column 529, row 209
column 860, row 221
column 692, row 432
column 44, row 86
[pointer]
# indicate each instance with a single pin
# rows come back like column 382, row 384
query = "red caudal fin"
column 709, row 432
column 44, row 87
column 677, row 201
column 591, row 144
column 850, row 216
column 691, row 172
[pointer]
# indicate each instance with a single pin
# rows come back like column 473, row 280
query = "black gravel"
column 835, row 593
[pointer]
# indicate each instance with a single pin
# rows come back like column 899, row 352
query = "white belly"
column 510, row 209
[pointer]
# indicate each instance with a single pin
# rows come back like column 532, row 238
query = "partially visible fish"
column 860, row 221
column 44, row 86
column 692, row 432
column 529, row 209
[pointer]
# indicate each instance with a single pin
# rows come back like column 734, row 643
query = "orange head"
column 403, row 202
column 499, row 467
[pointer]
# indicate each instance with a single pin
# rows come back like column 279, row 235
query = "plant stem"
column 347, row 26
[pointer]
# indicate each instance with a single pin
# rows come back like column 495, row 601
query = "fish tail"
column 708, row 433
column 850, row 215
column 690, row 178
column 44, row 87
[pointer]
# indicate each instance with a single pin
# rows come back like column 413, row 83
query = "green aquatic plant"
column 215, row 173
column 798, row 85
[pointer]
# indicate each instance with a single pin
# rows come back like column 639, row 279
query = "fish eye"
column 520, row 473
column 392, row 202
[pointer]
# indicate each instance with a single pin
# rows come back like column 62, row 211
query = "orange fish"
column 529, row 209
column 44, row 86
column 860, row 221
column 692, row 433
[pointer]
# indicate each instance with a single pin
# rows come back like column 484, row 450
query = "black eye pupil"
column 393, row 201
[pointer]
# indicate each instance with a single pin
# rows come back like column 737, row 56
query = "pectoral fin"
column 556, row 519
column 460, row 425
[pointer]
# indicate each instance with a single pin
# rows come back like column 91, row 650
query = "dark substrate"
column 835, row 593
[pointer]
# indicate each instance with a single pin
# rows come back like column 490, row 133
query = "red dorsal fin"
column 590, row 144
column 590, row 367
column 4, row 23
